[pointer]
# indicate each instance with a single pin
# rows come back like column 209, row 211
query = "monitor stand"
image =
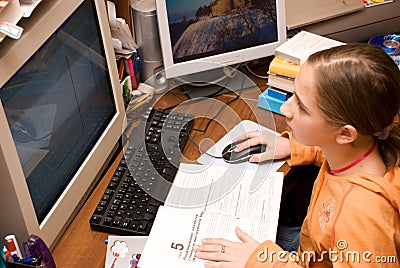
column 215, row 82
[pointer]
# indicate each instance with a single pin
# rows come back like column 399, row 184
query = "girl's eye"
column 300, row 105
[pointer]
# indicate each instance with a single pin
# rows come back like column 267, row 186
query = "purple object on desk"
column 37, row 247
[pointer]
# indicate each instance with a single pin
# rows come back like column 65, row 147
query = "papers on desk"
column 210, row 200
column 215, row 190
column 177, row 230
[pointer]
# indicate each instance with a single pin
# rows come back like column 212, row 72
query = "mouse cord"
column 201, row 150
column 212, row 119
column 220, row 110
column 216, row 115
column 189, row 101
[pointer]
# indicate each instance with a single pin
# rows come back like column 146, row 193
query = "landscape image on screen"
column 201, row 28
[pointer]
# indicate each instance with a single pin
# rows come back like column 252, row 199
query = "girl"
column 342, row 117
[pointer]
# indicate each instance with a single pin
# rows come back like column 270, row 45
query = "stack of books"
column 281, row 75
column 285, row 66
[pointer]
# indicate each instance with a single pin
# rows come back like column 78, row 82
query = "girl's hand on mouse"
column 277, row 147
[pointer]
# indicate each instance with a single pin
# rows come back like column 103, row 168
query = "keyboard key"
column 99, row 209
column 148, row 216
column 117, row 221
column 96, row 219
column 152, row 210
column 143, row 224
column 126, row 223
column 155, row 202
column 107, row 221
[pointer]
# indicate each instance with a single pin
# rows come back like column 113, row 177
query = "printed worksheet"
column 211, row 203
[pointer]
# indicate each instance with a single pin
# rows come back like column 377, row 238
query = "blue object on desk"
column 277, row 94
column 269, row 103
column 3, row 258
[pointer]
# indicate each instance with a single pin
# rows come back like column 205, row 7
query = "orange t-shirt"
column 352, row 221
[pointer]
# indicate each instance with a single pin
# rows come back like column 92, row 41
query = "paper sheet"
column 216, row 190
column 177, row 230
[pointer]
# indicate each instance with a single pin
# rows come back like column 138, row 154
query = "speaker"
column 148, row 41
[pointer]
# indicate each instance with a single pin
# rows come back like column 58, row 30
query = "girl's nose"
column 285, row 108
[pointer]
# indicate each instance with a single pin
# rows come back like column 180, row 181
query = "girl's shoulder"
column 371, row 189
column 393, row 177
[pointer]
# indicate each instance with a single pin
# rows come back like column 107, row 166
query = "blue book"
column 277, row 94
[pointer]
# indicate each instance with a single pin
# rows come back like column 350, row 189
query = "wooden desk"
column 82, row 247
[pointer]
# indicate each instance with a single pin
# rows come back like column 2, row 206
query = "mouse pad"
column 240, row 129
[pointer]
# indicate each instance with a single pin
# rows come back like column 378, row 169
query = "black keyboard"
column 143, row 177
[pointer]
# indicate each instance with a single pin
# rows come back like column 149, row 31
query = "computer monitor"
column 61, row 116
column 197, row 36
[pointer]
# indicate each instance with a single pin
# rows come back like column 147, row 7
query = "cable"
column 220, row 110
column 253, row 73
column 190, row 101
column 218, row 92
column 229, row 72
column 210, row 120
column 216, row 115
column 201, row 151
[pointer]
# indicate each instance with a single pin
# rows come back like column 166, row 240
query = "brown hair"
column 359, row 84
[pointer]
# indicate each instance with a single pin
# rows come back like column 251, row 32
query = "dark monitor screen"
column 57, row 106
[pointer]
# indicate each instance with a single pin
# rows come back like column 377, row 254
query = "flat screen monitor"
column 61, row 116
column 197, row 36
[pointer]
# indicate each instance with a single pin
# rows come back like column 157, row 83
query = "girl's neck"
column 358, row 157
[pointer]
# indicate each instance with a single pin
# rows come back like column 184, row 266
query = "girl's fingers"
column 250, row 142
column 267, row 155
column 248, row 135
column 244, row 237
column 208, row 248
column 215, row 241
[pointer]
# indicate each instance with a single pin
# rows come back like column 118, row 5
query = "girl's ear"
column 347, row 134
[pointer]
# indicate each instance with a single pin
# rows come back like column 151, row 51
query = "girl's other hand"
column 225, row 253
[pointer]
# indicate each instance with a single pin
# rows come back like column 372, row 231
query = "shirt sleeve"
column 302, row 154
